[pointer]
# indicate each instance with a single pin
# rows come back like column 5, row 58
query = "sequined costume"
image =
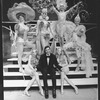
column 21, row 30
column 34, row 61
column 44, row 33
column 63, row 62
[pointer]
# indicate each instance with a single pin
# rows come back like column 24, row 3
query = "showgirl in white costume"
column 63, row 61
column 83, row 49
column 21, row 13
column 20, row 37
column 72, row 43
column 85, row 52
column 31, row 69
column 21, row 40
column 43, row 31
column 63, row 27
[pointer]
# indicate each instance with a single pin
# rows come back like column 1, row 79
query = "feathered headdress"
column 77, row 18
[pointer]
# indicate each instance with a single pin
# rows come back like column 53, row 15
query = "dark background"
column 91, row 8
column 92, row 35
column 91, row 23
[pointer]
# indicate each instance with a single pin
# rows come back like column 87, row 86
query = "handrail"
column 35, row 21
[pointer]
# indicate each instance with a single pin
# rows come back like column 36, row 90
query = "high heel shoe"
column 21, row 70
column 62, row 92
column 26, row 93
column 41, row 92
column 77, row 69
column 76, row 91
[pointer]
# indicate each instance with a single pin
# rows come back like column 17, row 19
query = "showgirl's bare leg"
column 38, row 81
column 62, row 82
column 78, row 53
column 70, row 82
column 78, row 63
column 20, row 53
column 28, row 86
column 43, row 42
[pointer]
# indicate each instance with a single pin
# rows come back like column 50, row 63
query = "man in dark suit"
column 48, row 65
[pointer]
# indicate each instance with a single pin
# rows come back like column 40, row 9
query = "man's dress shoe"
column 46, row 94
column 54, row 93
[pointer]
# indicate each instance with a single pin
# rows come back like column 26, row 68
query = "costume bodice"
column 44, row 26
column 62, row 59
column 62, row 16
column 34, row 61
column 22, row 29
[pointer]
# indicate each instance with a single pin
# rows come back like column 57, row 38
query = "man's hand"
column 65, row 69
column 62, row 69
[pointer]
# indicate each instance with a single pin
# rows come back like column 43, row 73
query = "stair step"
column 70, row 73
column 24, row 65
column 15, row 59
column 15, row 53
column 23, row 83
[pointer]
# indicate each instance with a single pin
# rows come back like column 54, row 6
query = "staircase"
column 13, row 78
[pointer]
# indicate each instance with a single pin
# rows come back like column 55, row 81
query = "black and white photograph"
column 49, row 49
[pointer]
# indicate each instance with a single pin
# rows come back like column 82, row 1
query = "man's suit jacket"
column 52, row 62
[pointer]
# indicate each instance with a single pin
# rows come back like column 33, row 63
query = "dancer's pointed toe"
column 26, row 93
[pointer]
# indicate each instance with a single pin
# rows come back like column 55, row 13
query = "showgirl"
column 21, row 13
column 43, row 31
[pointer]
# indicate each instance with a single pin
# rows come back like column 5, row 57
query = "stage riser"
column 78, row 78
column 15, row 60
column 50, row 87
column 24, row 65
column 17, row 69
column 41, row 77
column 13, row 79
column 23, row 83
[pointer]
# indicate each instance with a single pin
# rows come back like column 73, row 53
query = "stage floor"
column 89, row 93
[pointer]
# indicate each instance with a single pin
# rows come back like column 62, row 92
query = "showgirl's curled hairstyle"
column 20, row 14
column 37, row 55
column 61, row 3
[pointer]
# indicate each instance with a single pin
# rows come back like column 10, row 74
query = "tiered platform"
column 13, row 78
